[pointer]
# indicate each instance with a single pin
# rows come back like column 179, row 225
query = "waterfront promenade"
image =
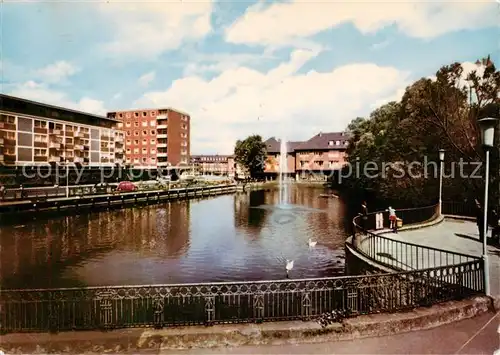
column 459, row 236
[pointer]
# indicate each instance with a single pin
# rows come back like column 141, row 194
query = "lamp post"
column 441, row 162
column 67, row 179
column 487, row 126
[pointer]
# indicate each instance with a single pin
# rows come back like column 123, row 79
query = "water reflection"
column 219, row 239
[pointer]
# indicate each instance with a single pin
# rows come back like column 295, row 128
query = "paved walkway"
column 453, row 235
column 472, row 336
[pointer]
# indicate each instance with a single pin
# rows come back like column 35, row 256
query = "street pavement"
column 471, row 336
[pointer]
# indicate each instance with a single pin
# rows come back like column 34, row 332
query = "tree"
column 433, row 114
column 251, row 154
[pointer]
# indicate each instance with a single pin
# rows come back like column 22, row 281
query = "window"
column 337, row 142
column 128, row 124
column 153, row 141
column 144, row 123
column 136, row 114
column 40, row 124
column 120, row 115
column 153, row 159
column 24, row 124
column 7, row 119
column 127, row 115
column 136, row 124
column 129, row 133
column 153, row 132
column 69, row 128
column 40, row 152
column 129, row 141
column 120, row 125
column 144, row 114
column 153, row 151
column 144, row 160
column 152, row 123
column 136, row 150
column 144, row 133
column 40, row 138
column 144, row 141
column 330, row 143
column 153, row 114
column 144, row 151
column 184, row 126
column 136, row 142
column 136, row 133
column 129, row 150
column 136, row 160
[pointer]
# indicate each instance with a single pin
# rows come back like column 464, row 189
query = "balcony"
column 163, row 163
column 162, row 117
column 162, row 135
column 78, row 147
column 55, row 132
column 78, row 160
column 162, row 126
column 54, row 159
column 161, row 154
column 161, row 145
column 55, row 145
column 80, row 134
column 119, row 149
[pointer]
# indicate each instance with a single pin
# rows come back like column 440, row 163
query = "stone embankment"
column 140, row 340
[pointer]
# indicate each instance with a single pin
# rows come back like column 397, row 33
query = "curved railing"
column 400, row 255
column 230, row 302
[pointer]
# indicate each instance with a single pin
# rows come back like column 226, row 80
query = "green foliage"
column 251, row 154
column 432, row 114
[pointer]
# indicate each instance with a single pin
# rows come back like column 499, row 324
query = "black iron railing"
column 167, row 305
column 462, row 209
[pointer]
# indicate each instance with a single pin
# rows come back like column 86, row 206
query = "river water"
column 227, row 238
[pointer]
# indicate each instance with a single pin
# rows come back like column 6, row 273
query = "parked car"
column 126, row 186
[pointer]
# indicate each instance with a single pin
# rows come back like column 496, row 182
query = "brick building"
column 323, row 154
column 273, row 147
column 33, row 133
column 214, row 164
column 155, row 137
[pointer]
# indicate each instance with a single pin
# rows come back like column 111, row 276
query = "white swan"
column 312, row 243
column 289, row 266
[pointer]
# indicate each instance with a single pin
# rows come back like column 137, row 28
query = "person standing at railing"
column 480, row 219
column 393, row 219
column 364, row 216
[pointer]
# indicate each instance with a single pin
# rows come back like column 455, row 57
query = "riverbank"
column 86, row 202
column 138, row 340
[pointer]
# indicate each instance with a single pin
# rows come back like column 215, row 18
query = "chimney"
column 320, row 134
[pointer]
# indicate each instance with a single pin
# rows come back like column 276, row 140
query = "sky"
column 287, row 69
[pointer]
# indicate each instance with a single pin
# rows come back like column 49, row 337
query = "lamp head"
column 487, row 126
column 441, row 154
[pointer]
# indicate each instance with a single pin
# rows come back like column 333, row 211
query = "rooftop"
column 323, row 141
column 34, row 108
column 150, row 109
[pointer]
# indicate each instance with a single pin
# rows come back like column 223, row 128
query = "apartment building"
column 155, row 137
column 214, row 164
column 273, row 147
column 323, row 154
column 33, row 133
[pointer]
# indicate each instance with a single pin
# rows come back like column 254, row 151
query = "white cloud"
column 287, row 22
column 146, row 29
column 57, row 72
column 241, row 101
column 38, row 92
column 147, row 78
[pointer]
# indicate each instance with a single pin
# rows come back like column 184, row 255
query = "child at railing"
column 393, row 219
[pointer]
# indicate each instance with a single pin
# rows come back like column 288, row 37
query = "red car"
column 126, row 186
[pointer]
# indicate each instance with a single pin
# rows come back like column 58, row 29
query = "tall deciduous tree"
column 251, row 154
column 433, row 114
